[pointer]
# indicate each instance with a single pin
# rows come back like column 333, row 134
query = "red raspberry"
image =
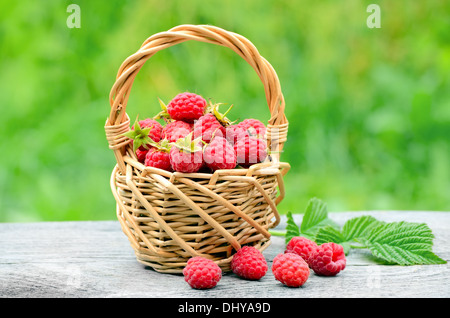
column 250, row 150
column 186, row 155
column 158, row 158
column 249, row 263
column 301, row 246
column 175, row 130
column 202, row 273
column 290, row 269
column 144, row 132
column 235, row 133
column 140, row 154
column 328, row 259
column 155, row 128
column 219, row 154
column 187, row 107
column 208, row 126
column 254, row 126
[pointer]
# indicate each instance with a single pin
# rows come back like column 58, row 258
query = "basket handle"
column 277, row 124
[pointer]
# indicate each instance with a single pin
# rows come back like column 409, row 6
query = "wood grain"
column 95, row 259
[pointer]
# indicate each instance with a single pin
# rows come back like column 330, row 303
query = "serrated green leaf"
column 329, row 234
column 315, row 212
column 398, row 233
column 397, row 255
column 359, row 227
column 403, row 243
column 292, row 228
column 315, row 217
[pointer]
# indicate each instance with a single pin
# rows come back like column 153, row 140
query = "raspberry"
column 249, row 263
column 328, row 259
column 187, row 107
column 219, row 154
column 186, row 155
column 290, row 269
column 155, row 128
column 144, row 132
column 158, row 158
column 301, row 246
column 140, row 154
column 250, row 150
column 235, row 133
column 254, row 126
column 175, row 130
column 202, row 273
column 208, row 126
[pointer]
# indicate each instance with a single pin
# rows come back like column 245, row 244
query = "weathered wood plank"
column 94, row 259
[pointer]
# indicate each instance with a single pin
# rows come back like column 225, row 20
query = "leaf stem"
column 358, row 246
column 277, row 233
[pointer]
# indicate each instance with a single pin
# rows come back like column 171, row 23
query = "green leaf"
column 359, row 227
column 403, row 243
column 353, row 230
column 291, row 228
column 316, row 212
column 329, row 234
column 315, row 217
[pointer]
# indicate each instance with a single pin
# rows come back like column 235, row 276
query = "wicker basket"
column 170, row 217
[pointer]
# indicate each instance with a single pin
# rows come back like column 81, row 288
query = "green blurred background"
column 369, row 109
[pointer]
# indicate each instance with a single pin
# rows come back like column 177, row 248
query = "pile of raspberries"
column 196, row 137
column 291, row 268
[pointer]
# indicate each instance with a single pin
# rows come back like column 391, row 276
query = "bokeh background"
column 369, row 109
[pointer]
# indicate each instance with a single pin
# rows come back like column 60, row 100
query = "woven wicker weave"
column 170, row 217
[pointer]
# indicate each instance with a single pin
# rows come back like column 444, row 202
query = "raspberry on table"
column 202, row 273
column 249, row 263
column 302, row 246
column 328, row 259
column 290, row 269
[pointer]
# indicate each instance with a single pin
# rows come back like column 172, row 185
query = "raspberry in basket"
column 328, row 259
column 140, row 154
column 186, row 155
column 186, row 107
column 144, row 132
column 250, row 150
column 235, row 133
column 175, row 130
column 219, row 154
column 158, row 156
column 290, row 269
column 202, row 273
column 249, row 263
column 254, row 126
column 208, row 126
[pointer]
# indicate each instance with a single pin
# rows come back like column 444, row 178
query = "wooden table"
column 94, row 259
